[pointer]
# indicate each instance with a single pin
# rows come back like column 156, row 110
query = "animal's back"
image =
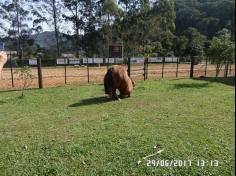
column 122, row 80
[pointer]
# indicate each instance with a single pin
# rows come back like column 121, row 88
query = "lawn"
column 77, row 131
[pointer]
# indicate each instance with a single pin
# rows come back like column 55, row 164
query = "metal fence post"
column 40, row 76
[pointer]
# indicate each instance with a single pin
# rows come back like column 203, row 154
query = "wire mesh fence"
column 65, row 71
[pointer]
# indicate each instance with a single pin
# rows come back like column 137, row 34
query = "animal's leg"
column 121, row 93
column 114, row 95
column 121, row 96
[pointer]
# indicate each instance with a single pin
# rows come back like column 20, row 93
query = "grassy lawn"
column 77, row 131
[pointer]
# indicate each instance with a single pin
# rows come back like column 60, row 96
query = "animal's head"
column 108, row 89
column 108, row 83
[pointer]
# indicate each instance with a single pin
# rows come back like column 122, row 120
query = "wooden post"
column 129, row 66
column 108, row 63
column 144, row 70
column 40, row 77
column 206, row 66
column 147, row 69
column 177, row 68
column 12, row 76
column 192, row 67
column 163, row 66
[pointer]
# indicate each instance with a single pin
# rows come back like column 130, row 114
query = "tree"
column 196, row 42
column 52, row 8
column 137, row 27
column 207, row 16
column 17, row 15
column 180, row 45
column 76, row 10
column 166, row 11
column 222, row 49
column 107, row 11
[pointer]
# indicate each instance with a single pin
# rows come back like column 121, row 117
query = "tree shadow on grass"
column 191, row 86
column 91, row 101
column 16, row 90
column 2, row 102
column 230, row 81
column 9, row 100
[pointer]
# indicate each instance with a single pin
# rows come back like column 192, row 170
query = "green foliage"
column 196, row 41
column 222, row 49
column 207, row 16
column 110, row 7
column 153, row 50
column 166, row 10
column 180, row 27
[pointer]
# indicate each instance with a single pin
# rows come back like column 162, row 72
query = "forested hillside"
column 88, row 27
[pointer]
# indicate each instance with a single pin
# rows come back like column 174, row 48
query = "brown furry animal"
column 3, row 60
column 117, row 78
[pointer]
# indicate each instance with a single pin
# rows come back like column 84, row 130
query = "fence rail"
column 52, row 73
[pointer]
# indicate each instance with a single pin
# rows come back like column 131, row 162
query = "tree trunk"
column 77, row 27
column 56, row 28
column 18, row 33
column 226, row 69
column 217, row 70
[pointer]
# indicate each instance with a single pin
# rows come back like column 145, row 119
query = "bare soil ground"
column 55, row 76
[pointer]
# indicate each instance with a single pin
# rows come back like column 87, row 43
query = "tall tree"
column 17, row 15
column 53, row 10
column 167, row 16
column 76, row 9
column 107, row 11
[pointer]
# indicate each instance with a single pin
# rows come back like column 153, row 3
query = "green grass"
column 77, row 131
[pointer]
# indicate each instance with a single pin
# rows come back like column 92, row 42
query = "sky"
column 46, row 27
column 64, row 26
